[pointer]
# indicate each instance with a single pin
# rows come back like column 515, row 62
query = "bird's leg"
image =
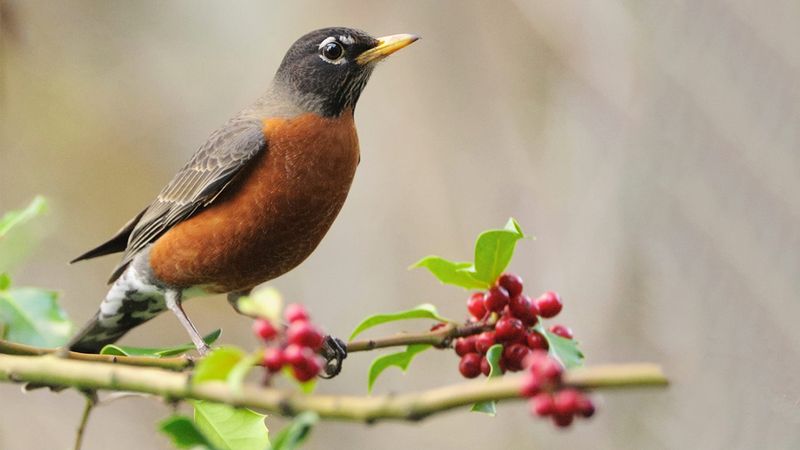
column 233, row 299
column 334, row 350
column 173, row 299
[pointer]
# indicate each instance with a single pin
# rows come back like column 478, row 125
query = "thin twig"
column 172, row 363
column 91, row 401
column 441, row 337
column 172, row 385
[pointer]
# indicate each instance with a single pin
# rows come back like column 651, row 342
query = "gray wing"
column 197, row 184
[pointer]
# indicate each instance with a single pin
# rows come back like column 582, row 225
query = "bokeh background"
column 651, row 146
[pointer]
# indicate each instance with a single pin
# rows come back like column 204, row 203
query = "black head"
column 326, row 70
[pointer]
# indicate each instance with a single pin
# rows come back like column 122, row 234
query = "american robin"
column 255, row 200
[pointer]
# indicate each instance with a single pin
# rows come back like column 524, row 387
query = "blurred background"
column 652, row 147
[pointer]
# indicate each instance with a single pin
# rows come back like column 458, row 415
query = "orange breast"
column 272, row 216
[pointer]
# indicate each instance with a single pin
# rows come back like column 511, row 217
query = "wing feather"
column 197, row 184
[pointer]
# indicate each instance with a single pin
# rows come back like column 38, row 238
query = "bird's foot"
column 334, row 350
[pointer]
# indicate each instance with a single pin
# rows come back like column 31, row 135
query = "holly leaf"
column 451, row 272
column 494, row 250
column 163, row 352
column 266, row 303
column 399, row 359
column 217, row 365
column 294, row 434
column 11, row 219
column 493, row 356
column 16, row 238
column 423, row 311
column 563, row 349
column 239, row 371
column 5, row 281
column 32, row 316
column 229, row 428
column 184, row 433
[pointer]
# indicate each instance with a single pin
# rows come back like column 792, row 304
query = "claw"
column 334, row 350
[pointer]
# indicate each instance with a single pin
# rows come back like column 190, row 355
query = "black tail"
column 118, row 243
column 95, row 335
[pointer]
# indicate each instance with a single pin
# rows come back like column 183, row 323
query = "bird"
column 254, row 200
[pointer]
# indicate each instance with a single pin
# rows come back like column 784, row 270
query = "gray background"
column 651, row 146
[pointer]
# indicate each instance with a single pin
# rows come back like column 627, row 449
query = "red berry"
column 484, row 341
column 501, row 364
column 295, row 355
column 566, row 401
column 304, row 334
column 562, row 331
column 496, row 299
column 273, row 359
column 520, row 307
column 537, row 341
column 475, row 306
column 307, row 369
column 585, row 406
column 508, row 329
column 513, row 355
column 511, row 283
column 542, row 404
column 535, row 358
column 549, row 304
column 295, row 312
column 264, row 329
column 470, row 365
column 534, row 309
column 549, row 369
column 562, row 420
column 530, row 385
column 465, row 345
column 485, row 366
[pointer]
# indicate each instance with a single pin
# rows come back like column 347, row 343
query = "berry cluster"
column 543, row 385
column 296, row 344
column 515, row 315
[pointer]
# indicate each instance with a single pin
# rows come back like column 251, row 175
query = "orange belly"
column 272, row 216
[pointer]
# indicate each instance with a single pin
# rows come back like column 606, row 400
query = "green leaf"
column 184, row 434
column 5, row 281
column 451, row 272
column 239, row 371
column 493, row 356
column 266, row 303
column 399, row 359
column 494, row 249
column 294, row 434
column 217, row 365
column 164, row 352
column 423, row 311
column 563, row 349
column 229, row 428
column 12, row 219
column 32, row 316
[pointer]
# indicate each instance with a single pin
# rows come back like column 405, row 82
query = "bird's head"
column 326, row 70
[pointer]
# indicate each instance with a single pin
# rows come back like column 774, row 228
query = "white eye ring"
column 323, row 46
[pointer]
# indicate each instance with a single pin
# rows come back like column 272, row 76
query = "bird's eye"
column 332, row 51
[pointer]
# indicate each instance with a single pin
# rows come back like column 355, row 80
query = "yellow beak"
column 386, row 46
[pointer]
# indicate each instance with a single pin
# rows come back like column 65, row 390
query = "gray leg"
column 233, row 299
column 173, row 300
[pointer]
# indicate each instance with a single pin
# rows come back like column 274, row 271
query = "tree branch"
column 172, row 385
column 173, row 363
column 441, row 337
